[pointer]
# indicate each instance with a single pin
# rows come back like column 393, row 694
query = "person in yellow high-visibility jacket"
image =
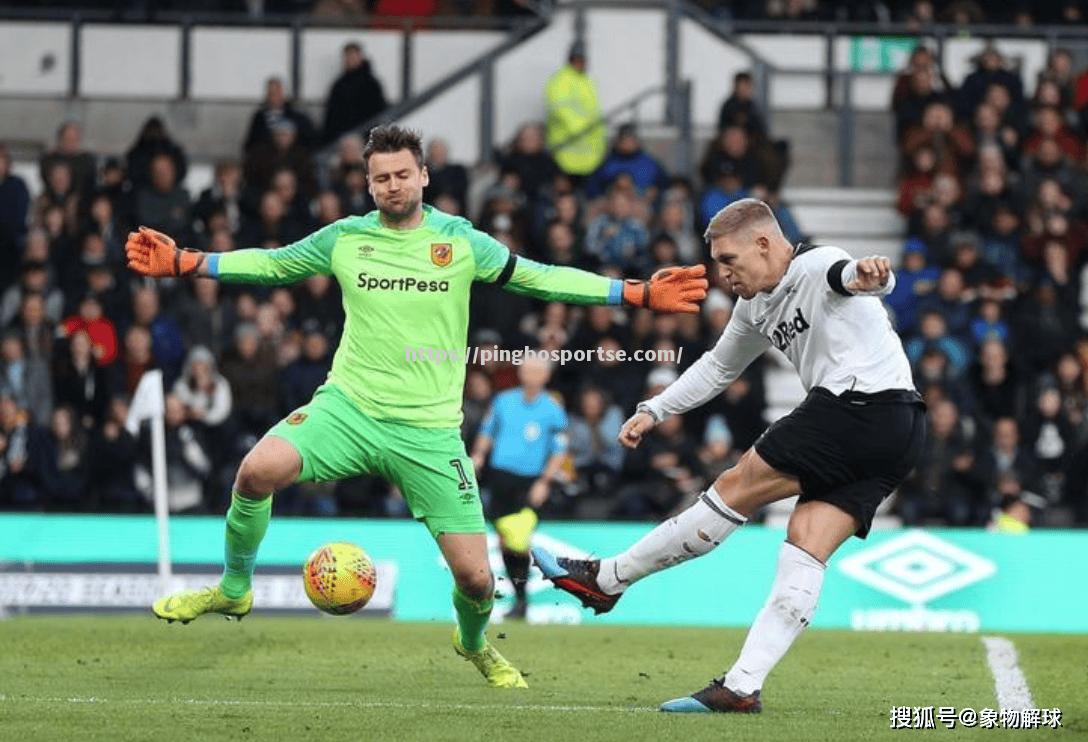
column 573, row 108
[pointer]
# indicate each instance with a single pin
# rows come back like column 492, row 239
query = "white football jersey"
column 835, row 339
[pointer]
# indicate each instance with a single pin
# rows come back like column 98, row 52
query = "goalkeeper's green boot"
column 186, row 605
column 492, row 665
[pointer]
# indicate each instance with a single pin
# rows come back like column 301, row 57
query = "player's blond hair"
column 739, row 215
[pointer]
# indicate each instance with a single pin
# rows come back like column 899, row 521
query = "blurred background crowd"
column 991, row 301
column 921, row 12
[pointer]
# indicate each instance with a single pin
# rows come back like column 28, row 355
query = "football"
column 339, row 578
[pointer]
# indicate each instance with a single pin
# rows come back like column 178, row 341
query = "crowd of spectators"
column 987, row 302
column 80, row 330
column 992, row 299
column 915, row 12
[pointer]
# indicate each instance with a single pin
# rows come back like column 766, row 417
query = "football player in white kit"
column 852, row 441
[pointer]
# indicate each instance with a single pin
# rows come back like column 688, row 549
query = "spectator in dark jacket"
column 740, row 108
column 945, row 485
column 69, row 150
column 355, row 97
column 14, row 206
column 163, row 204
column 80, row 384
column 154, row 140
column 274, row 107
column 628, row 157
column 989, row 70
column 447, row 178
column 302, row 377
column 282, row 151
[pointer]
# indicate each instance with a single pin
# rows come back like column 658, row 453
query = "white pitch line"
column 319, row 704
column 1009, row 681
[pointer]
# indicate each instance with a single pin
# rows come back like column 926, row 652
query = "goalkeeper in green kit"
column 405, row 272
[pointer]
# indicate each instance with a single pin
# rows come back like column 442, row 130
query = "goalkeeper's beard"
column 394, row 215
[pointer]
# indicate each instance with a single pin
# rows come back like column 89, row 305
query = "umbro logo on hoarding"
column 917, row 567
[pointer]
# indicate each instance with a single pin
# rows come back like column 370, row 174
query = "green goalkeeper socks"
column 472, row 617
column 247, row 521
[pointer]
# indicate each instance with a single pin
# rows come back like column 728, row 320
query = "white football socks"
column 692, row 533
column 785, row 615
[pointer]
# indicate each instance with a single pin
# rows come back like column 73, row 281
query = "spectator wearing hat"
column 283, row 150
column 933, row 332
column 727, row 187
column 717, row 452
column 627, row 157
column 152, row 141
column 576, row 131
column 355, row 97
column 913, row 282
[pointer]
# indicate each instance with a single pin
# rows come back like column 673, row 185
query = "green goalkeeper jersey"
column 406, row 290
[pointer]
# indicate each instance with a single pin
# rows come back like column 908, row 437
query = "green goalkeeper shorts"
column 337, row 440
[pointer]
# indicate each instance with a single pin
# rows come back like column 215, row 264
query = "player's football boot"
column 577, row 577
column 186, row 605
column 492, row 665
column 715, row 698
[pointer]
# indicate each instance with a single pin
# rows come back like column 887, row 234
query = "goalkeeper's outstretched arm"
column 668, row 290
column 155, row 254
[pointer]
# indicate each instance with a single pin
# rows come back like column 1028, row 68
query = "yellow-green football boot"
column 186, row 605
column 492, row 665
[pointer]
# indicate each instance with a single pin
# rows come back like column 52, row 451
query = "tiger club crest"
column 441, row 253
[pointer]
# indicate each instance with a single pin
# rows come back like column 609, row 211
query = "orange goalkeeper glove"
column 152, row 253
column 669, row 290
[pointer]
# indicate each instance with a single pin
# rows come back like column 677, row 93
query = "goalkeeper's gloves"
column 152, row 253
column 669, row 290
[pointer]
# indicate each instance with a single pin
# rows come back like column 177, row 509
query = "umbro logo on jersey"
column 365, row 251
column 785, row 332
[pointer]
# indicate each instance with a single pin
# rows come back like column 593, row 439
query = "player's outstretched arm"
column 152, row 253
column 669, row 290
column 871, row 276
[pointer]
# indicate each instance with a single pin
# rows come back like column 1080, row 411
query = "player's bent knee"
column 270, row 466
column 476, row 583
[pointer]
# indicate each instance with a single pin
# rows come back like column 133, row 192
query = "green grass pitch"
column 269, row 678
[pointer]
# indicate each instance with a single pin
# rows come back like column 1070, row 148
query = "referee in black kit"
column 853, row 440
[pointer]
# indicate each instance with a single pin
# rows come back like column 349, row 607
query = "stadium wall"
column 935, row 580
column 227, row 68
